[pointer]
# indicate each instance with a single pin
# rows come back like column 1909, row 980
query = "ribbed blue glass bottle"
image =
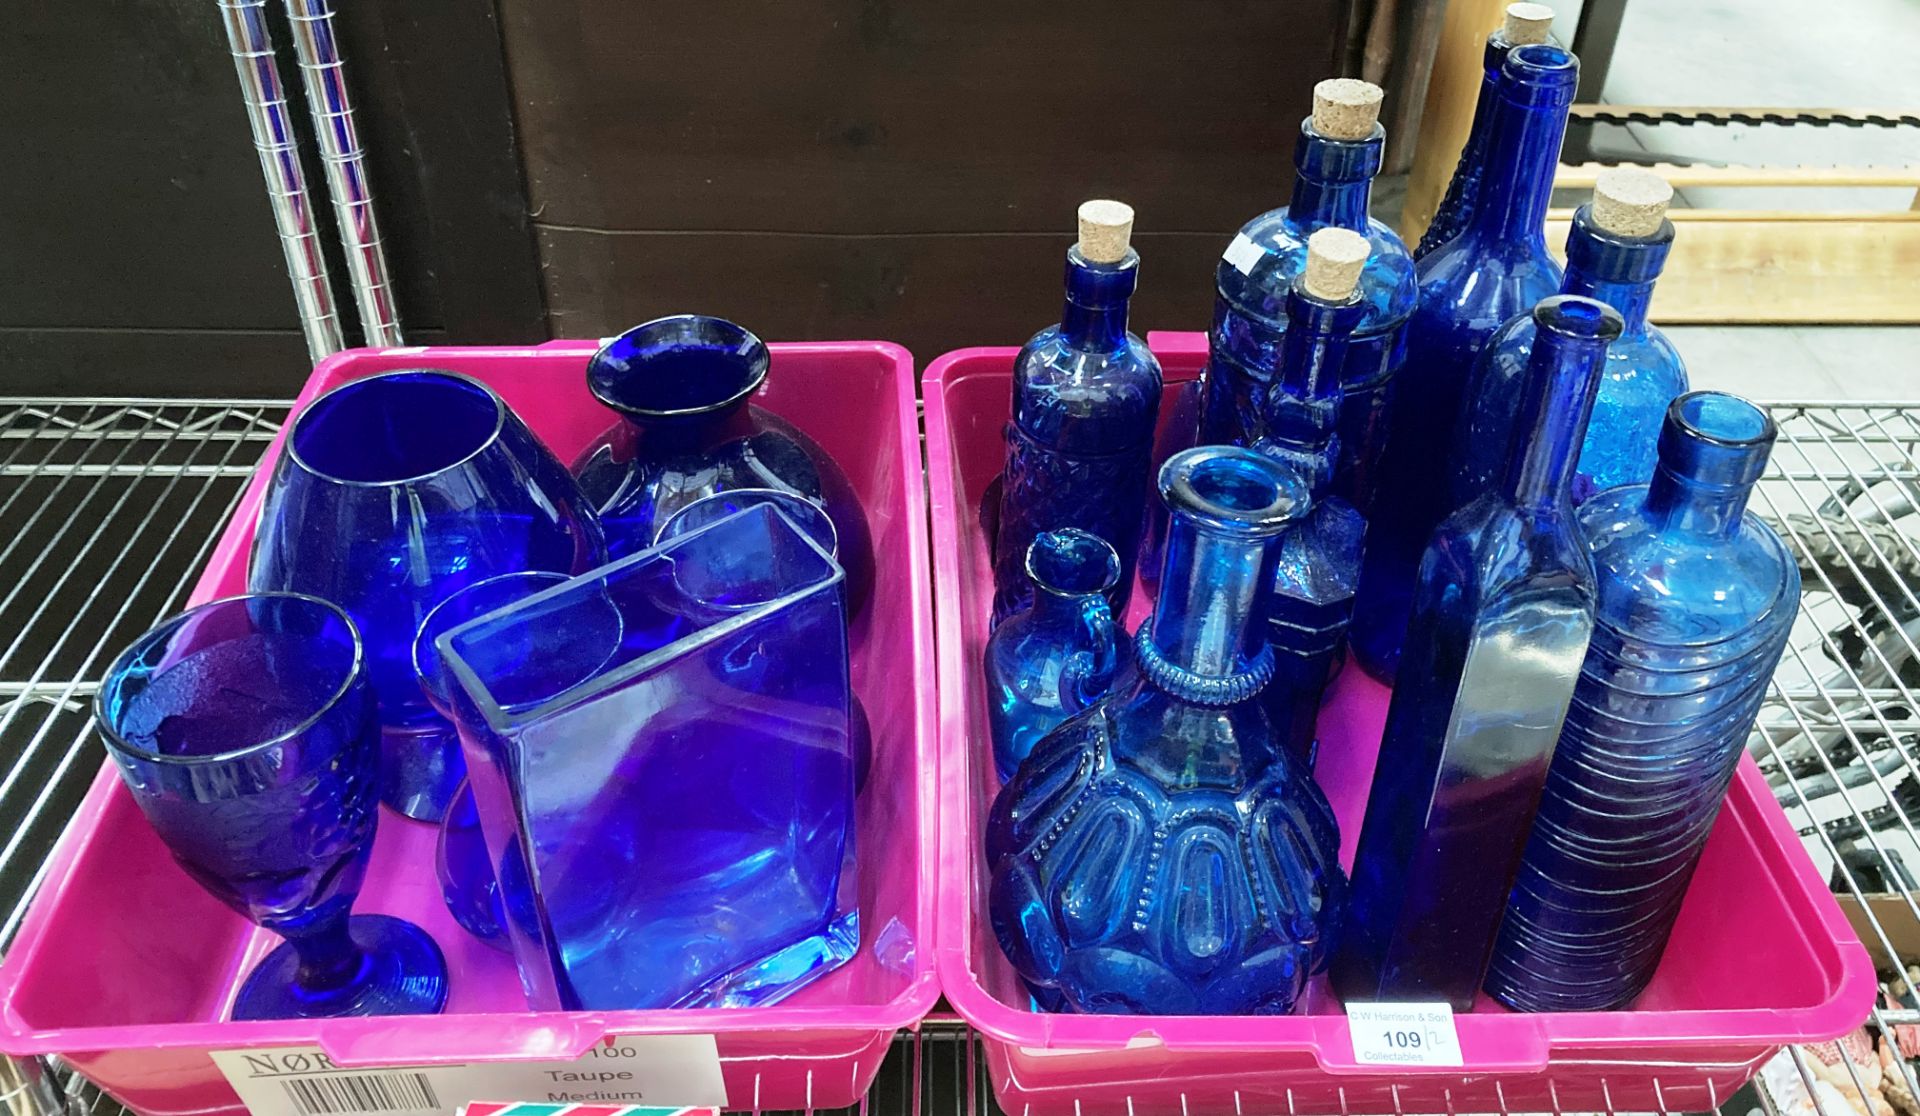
column 1319, row 560
column 1086, row 394
column 1047, row 663
column 1495, row 269
column 1696, row 600
column 1501, row 616
column 1336, row 158
column 1160, row 853
column 1523, row 24
column 1615, row 250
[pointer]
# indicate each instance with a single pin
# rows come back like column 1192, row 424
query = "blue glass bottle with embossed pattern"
column 1336, row 157
column 1086, row 394
column 1615, row 250
column 1161, row 853
column 1502, row 613
column 1319, row 561
column 1469, row 287
column 1523, row 23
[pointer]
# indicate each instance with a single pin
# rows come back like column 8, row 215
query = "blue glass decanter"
column 1338, row 153
column 1615, row 250
column 1497, row 268
column 1523, row 24
column 1086, row 394
column 1161, row 853
column 1696, row 600
column 1319, row 561
column 1059, row 656
column 1501, row 616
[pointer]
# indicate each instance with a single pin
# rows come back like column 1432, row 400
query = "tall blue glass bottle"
column 1523, row 24
column 1615, row 250
column 1495, row 269
column 1086, row 394
column 1160, row 853
column 1501, row 617
column 1696, row 600
column 1319, row 561
column 1336, row 158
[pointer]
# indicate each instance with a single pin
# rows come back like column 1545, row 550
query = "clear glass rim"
column 492, row 438
column 355, row 670
column 417, row 646
column 506, row 717
column 1679, row 413
column 1087, row 546
column 759, row 361
column 1180, row 487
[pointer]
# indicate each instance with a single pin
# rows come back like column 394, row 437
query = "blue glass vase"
column 1331, row 189
column 1319, row 559
column 1644, row 372
column 681, row 781
column 686, row 431
column 394, row 492
column 1696, row 600
column 1161, row 853
column 1496, row 268
column 245, row 730
column 1047, row 663
column 1501, row 616
column 1463, row 189
column 1086, row 395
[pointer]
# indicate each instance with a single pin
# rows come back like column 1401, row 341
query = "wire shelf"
column 112, row 506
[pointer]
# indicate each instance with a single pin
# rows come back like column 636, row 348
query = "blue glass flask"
column 1059, row 656
column 1523, row 24
column 1086, row 394
column 1501, row 616
column 1338, row 153
column 1696, row 600
column 1319, row 559
column 1497, row 268
column 1615, row 250
column 1161, row 853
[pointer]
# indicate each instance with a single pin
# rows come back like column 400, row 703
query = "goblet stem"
column 331, row 962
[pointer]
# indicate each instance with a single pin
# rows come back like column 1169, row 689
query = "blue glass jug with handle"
column 1615, row 250
column 1496, row 268
column 1086, row 395
column 1502, row 612
column 1696, row 601
column 1160, row 853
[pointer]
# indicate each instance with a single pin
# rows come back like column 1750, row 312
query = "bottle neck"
column 1678, row 503
column 1556, row 400
column 1203, row 621
column 1619, row 271
column 1301, row 410
column 1060, row 610
column 1523, row 148
column 1094, row 318
column 1631, row 299
column 1333, row 179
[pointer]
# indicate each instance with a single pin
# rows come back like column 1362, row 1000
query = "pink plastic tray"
column 1761, row 956
column 125, row 968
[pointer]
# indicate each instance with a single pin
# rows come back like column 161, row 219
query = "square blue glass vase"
column 663, row 746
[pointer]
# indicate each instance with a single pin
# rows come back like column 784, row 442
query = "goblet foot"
column 402, row 972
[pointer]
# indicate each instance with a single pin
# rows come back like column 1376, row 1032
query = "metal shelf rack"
column 112, row 505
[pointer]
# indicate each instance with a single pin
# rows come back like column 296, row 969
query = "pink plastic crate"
column 1761, row 956
column 125, row 968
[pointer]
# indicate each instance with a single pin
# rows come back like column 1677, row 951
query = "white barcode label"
column 660, row 1070
column 1243, row 254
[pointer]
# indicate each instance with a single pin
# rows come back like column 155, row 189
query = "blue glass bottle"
column 1501, row 617
column 1319, row 561
column 1086, row 394
column 1523, row 24
column 1059, row 656
column 1696, row 600
column 1160, row 853
column 1338, row 153
column 1497, row 268
column 1615, row 250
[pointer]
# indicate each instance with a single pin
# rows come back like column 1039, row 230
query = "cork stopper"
column 1334, row 260
column 1345, row 108
column 1105, row 228
column 1630, row 201
column 1526, row 23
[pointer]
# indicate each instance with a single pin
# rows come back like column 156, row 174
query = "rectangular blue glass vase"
column 662, row 758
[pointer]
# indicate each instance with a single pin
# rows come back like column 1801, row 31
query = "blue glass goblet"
column 394, row 492
column 245, row 730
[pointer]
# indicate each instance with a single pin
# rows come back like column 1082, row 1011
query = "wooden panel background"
column 906, row 169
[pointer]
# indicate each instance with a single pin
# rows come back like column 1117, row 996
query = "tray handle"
column 449, row 1039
